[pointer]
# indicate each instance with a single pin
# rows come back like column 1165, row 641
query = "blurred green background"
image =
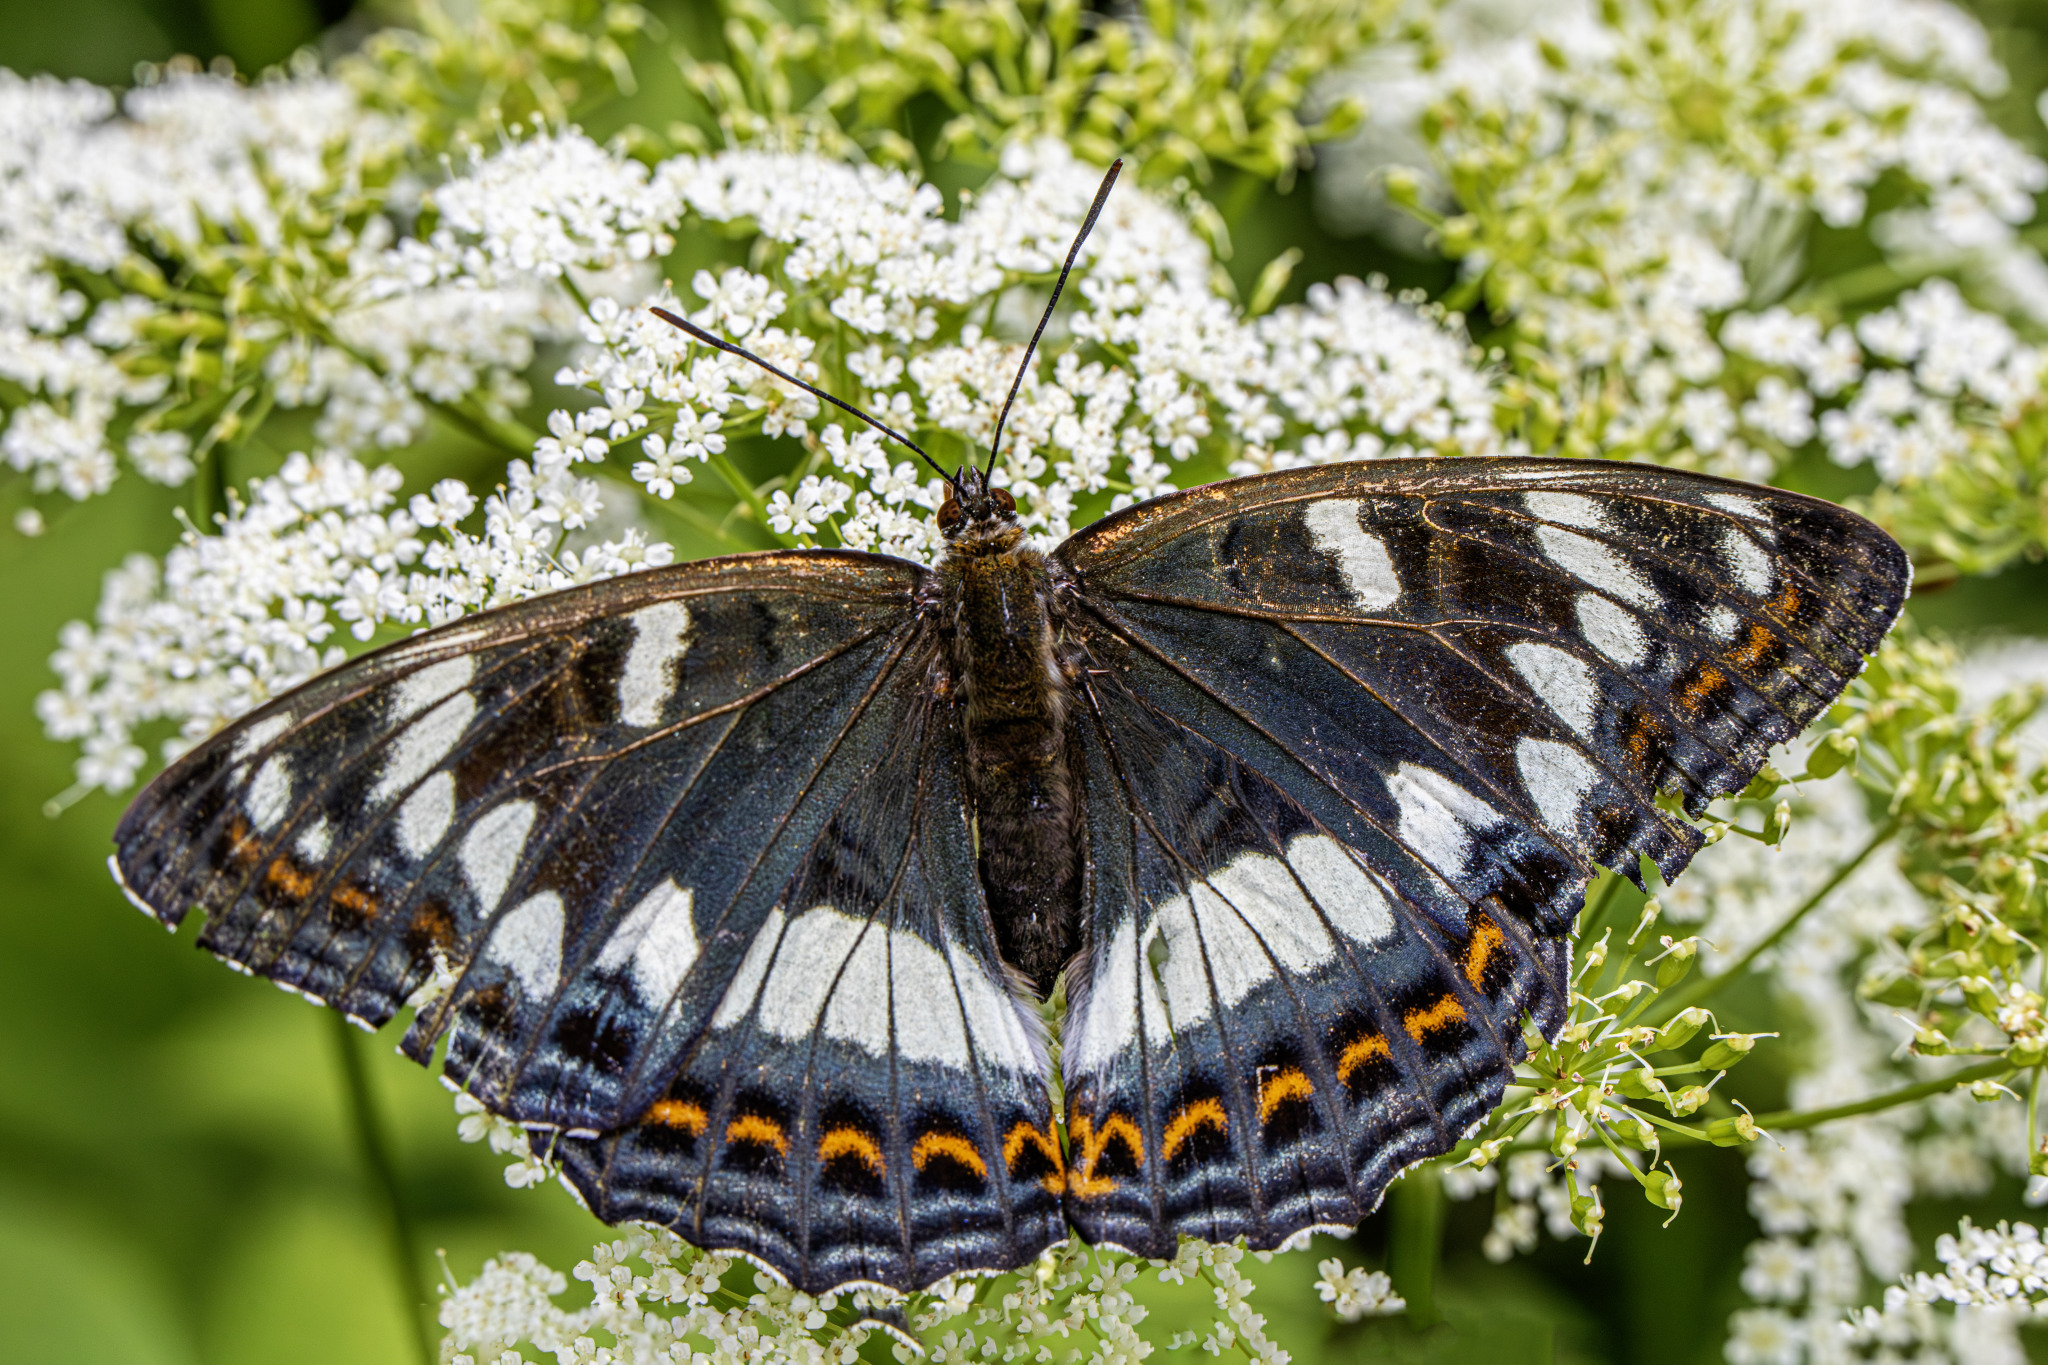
column 179, row 1181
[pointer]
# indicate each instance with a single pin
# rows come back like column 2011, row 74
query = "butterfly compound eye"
column 949, row 514
column 1002, row 499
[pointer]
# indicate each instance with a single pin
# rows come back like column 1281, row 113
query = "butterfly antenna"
column 699, row 334
column 1087, row 225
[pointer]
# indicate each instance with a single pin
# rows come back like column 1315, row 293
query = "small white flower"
column 1358, row 1293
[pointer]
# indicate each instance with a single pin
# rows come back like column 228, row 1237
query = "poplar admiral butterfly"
column 751, row 873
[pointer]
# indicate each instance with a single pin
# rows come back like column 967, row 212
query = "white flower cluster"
column 1912, row 386
column 1634, row 175
column 1832, row 1202
column 1992, row 1278
column 172, row 269
column 661, row 1309
column 1358, row 1293
column 234, row 618
column 512, row 1302
column 865, row 287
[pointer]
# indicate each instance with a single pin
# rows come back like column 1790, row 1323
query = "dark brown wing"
column 1362, row 733
column 692, row 848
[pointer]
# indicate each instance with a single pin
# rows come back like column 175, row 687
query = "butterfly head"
column 976, row 518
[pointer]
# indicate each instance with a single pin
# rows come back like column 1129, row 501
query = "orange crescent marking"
column 1027, row 1134
column 1360, row 1052
column 1274, row 1091
column 1754, row 648
column 754, row 1128
column 1198, row 1114
column 1442, row 1014
column 1701, row 688
column 1487, row 939
column 951, row 1145
column 242, row 848
column 288, row 879
column 1785, row 603
column 852, row 1142
column 352, row 897
column 1084, row 1183
column 677, row 1114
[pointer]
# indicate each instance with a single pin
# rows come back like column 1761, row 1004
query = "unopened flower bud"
column 1681, row 1029
column 1730, row 1048
column 1733, row 1132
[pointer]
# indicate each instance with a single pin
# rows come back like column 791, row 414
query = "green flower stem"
column 1905, row 1094
column 376, row 1158
column 696, row 520
column 1873, row 282
column 1786, row 1120
column 514, row 437
column 749, row 498
column 1415, row 1241
column 1701, row 987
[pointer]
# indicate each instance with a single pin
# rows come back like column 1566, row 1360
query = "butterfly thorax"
column 1007, row 679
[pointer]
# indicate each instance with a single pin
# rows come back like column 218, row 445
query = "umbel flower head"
column 1640, row 194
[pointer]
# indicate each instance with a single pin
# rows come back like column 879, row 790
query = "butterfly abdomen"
column 1014, row 713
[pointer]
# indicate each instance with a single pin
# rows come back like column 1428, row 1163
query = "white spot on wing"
column 428, row 686
column 1438, row 817
column 1171, row 951
column 271, row 793
column 1613, row 630
column 1721, row 622
column 1349, row 898
column 857, row 1010
column 993, row 1020
column 1361, row 558
column 1747, row 561
column 314, row 841
column 423, row 744
column 261, row 733
column 1557, row 777
column 424, row 819
column 1591, row 562
column 1121, row 991
column 807, row 971
column 491, row 851
column 1260, row 889
column 1562, row 680
column 1739, row 505
column 528, row 941
column 659, row 937
column 746, row 983
column 1568, row 509
column 927, row 1010
column 660, row 636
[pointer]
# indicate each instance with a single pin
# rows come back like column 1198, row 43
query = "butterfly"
column 749, row 875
